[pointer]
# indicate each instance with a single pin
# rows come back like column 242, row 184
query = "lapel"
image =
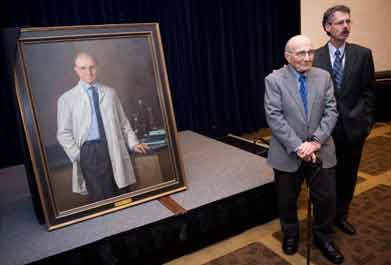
column 350, row 60
column 101, row 92
column 83, row 103
column 312, row 91
column 292, row 85
column 324, row 61
column 85, row 100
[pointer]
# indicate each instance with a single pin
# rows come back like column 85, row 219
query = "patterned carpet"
column 252, row 254
column 376, row 158
column 372, row 244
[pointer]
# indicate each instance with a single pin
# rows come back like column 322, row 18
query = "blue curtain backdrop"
column 217, row 53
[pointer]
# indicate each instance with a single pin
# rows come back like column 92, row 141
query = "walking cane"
column 315, row 168
column 309, row 227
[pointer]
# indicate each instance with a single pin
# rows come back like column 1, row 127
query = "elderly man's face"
column 300, row 54
column 339, row 26
column 85, row 68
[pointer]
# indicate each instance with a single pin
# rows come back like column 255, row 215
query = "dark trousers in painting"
column 322, row 195
column 348, row 161
column 97, row 171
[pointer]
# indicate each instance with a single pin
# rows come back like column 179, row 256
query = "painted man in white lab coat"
column 96, row 134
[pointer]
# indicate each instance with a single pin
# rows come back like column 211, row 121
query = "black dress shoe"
column 330, row 251
column 290, row 245
column 345, row 227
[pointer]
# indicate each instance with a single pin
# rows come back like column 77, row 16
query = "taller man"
column 352, row 70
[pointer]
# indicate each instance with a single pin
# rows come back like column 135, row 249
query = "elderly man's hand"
column 310, row 158
column 141, row 148
column 307, row 148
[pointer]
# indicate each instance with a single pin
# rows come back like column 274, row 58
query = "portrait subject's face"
column 300, row 54
column 85, row 68
column 339, row 26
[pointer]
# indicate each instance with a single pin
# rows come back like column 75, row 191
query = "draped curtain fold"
column 217, row 52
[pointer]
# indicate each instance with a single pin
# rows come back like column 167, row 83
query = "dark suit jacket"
column 356, row 100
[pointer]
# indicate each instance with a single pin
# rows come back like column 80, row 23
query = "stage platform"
column 229, row 190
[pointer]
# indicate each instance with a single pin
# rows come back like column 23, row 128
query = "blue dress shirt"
column 93, row 131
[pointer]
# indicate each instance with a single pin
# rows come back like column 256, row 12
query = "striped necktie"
column 338, row 70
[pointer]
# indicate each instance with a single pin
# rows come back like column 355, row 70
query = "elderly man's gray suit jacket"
column 288, row 121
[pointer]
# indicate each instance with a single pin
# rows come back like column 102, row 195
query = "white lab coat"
column 73, row 121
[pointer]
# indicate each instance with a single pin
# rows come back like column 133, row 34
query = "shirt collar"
column 295, row 73
column 85, row 85
column 332, row 49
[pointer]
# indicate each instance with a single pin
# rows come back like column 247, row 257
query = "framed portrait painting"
column 98, row 118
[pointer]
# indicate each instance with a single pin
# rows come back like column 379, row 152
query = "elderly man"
column 95, row 134
column 352, row 70
column 301, row 111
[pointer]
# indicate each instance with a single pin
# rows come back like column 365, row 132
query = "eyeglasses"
column 341, row 22
column 302, row 54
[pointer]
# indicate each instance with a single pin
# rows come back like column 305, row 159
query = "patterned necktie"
column 337, row 69
column 95, row 99
column 303, row 92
